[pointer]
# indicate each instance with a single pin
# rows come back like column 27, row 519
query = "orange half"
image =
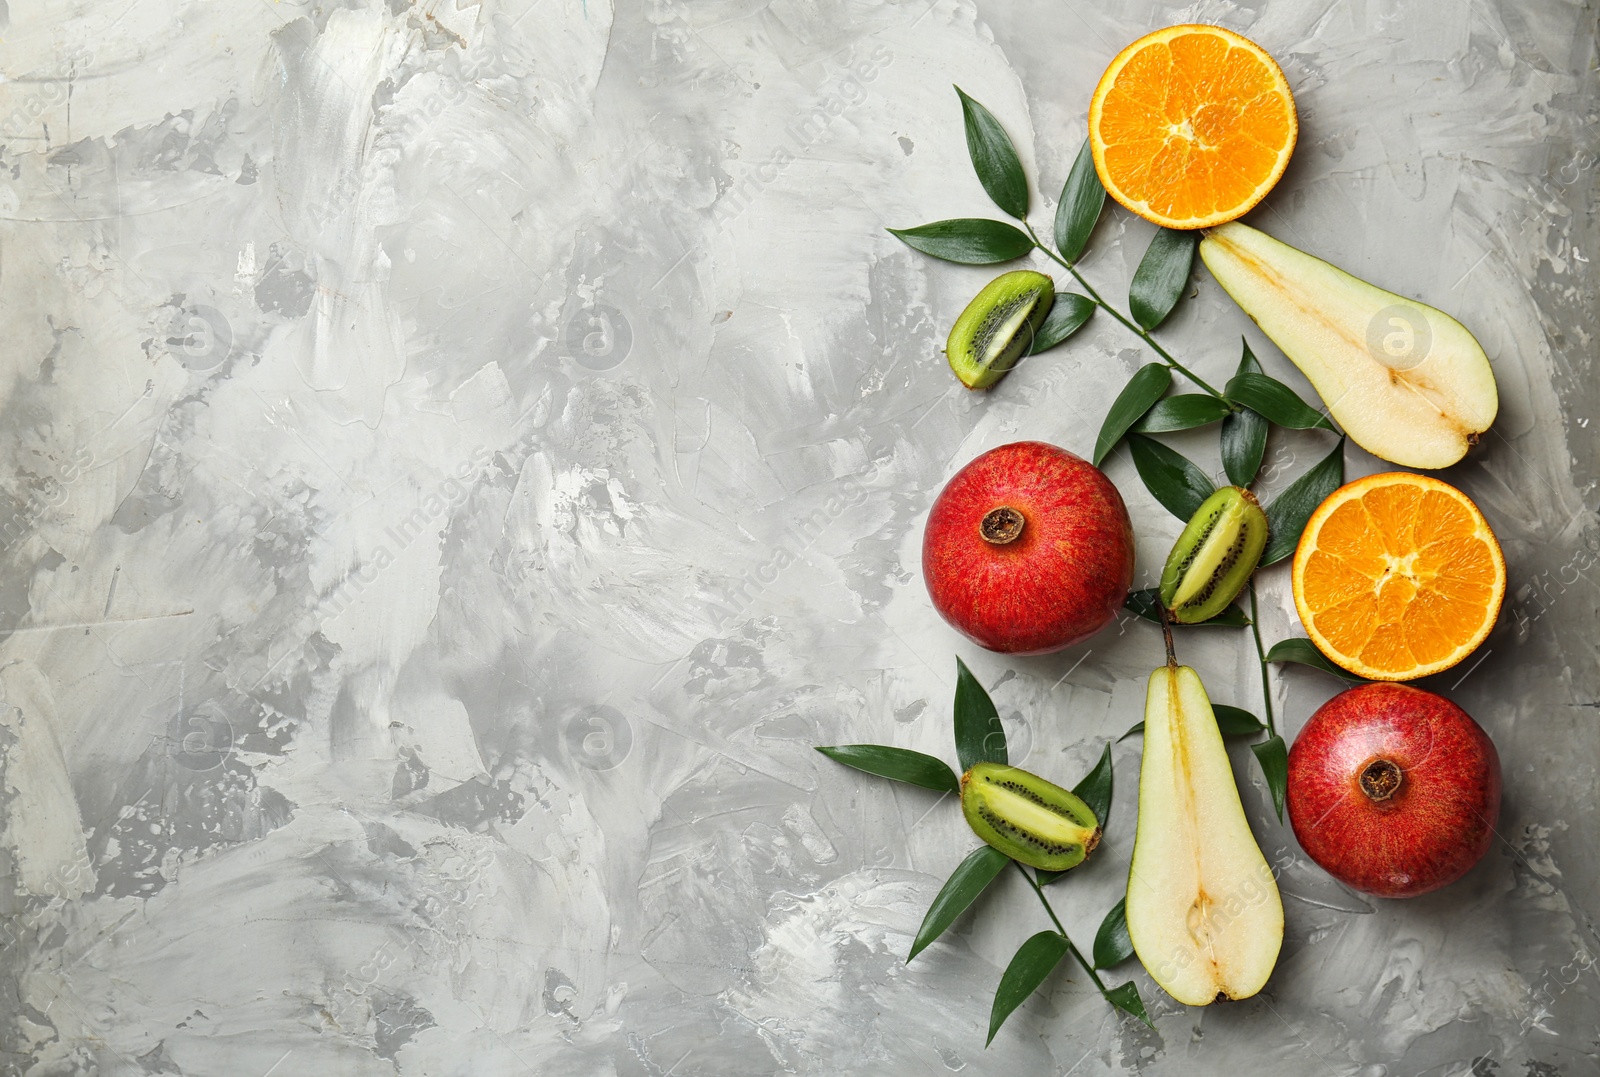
column 1398, row 576
column 1191, row 126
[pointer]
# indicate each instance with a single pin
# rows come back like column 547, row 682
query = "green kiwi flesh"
column 997, row 327
column 1032, row 821
column 1214, row 557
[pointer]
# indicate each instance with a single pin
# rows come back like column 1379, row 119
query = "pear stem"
column 1261, row 657
column 1166, row 636
column 1137, row 330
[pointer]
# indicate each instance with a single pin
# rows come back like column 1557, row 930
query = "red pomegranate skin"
column 1057, row 583
column 1436, row 824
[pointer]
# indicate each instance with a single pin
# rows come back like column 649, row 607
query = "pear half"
column 1203, row 908
column 1407, row 382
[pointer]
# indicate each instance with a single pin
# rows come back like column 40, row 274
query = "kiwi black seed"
column 1214, row 557
column 997, row 327
column 1032, row 821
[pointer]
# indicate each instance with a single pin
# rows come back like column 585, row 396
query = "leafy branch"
column 980, row 738
column 1164, row 260
column 1042, row 952
column 1272, row 754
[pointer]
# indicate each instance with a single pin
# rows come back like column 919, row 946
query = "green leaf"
column 1066, row 317
column 1171, row 479
column 969, row 880
column 980, row 738
column 1126, row 998
column 974, row 241
column 1235, row 721
column 1162, row 275
column 1081, row 201
column 1183, row 412
column 1135, row 728
column 901, row 764
column 1276, row 401
column 1142, row 390
column 1244, row 433
column 1289, row 511
column 1095, row 789
column 1147, row 604
column 1034, row 961
column 1303, row 652
column 994, row 158
column 1112, row 946
column 1273, row 755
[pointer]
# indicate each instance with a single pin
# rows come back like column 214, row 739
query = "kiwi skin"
column 1214, row 557
column 998, row 326
column 1031, row 820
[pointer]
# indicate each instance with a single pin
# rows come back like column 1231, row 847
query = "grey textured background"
column 461, row 456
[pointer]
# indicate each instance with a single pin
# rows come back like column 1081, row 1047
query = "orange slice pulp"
column 1191, row 126
column 1398, row 576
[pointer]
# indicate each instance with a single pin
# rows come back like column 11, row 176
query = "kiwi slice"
column 1032, row 821
column 997, row 327
column 1214, row 557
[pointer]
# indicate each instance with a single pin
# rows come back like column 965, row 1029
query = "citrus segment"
column 1398, row 576
column 1191, row 126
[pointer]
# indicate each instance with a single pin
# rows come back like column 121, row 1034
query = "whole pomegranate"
column 1028, row 549
column 1393, row 790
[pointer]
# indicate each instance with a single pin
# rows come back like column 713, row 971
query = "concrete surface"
column 462, row 456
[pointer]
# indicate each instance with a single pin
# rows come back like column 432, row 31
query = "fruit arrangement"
column 1029, row 548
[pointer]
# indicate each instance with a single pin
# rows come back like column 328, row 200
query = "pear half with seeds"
column 1203, row 908
column 1407, row 382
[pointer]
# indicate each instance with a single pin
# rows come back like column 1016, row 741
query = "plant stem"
column 1072, row 949
column 1137, row 330
column 1261, row 656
